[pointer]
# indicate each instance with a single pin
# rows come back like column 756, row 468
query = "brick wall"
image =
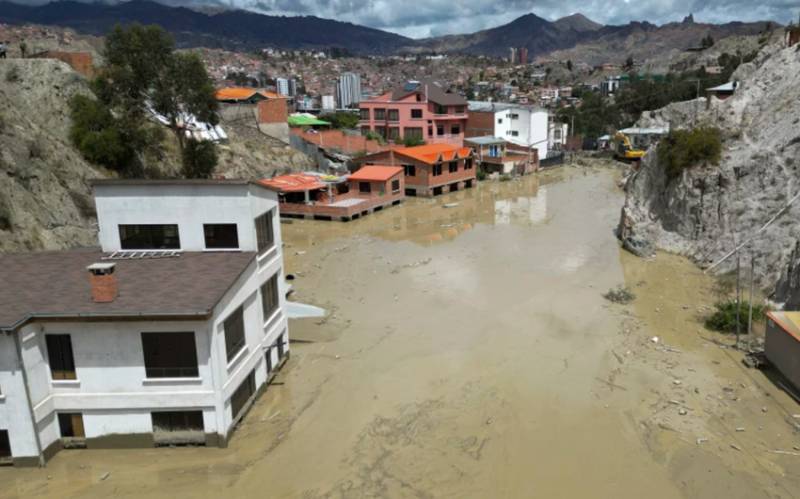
column 81, row 62
column 272, row 111
column 479, row 124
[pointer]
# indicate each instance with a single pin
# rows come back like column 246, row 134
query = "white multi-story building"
column 525, row 126
column 348, row 90
column 328, row 104
column 286, row 87
column 164, row 335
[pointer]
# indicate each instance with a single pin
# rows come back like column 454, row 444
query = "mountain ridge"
column 217, row 27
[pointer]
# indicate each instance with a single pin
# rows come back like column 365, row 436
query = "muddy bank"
column 470, row 353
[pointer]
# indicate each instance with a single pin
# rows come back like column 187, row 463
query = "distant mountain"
column 578, row 22
column 212, row 25
column 232, row 29
column 574, row 32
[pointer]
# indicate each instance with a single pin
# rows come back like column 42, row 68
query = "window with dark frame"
column 59, row 355
column 5, row 445
column 265, row 236
column 149, row 237
column 395, row 186
column 410, row 170
column 170, row 355
column 364, row 114
column 452, row 167
column 380, row 114
column 468, row 164
column 416, row 114
column 393, row 114
column 364, row 187
column 439, row 129
column 170, row 421
column 437, row 169
column 281, row 346
column 71, row 425
column 221, row 236
column 455, row 129
column 242, row 394
column 234, row 333
column 270, row 299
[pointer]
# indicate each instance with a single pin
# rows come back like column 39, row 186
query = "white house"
column 165, row 335
column 524, row 126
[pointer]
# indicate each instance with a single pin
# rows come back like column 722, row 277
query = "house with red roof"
column 370, row 189
column 416, row 110
column 429, row 170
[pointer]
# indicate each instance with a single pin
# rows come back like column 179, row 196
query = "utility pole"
column 738, row 299
column 750, row 312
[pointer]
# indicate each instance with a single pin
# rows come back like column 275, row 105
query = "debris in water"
column 489, row 421
column 736, row 447
column 740, row 429
column 786, row 452
column 701, row 440
column 105, row 476
column 621, row 295
column 450, row 205
column 299, row 253
column 654, row 339
column 683, row 411
column 676, row 382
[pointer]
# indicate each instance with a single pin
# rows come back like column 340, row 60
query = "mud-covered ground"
column 469, row 353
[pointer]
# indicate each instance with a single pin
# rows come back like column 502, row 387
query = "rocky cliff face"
column 45, row 194
column 709, row 210
column 45, row 200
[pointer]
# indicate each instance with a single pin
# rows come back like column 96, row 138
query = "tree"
column 629, row 62
column 569, row 65
column 341, row 119
column 199, row 158
column 142, row 71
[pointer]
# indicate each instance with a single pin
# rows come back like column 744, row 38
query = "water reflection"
column 431, row 221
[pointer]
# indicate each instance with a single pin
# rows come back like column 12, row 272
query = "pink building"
column 418, row 109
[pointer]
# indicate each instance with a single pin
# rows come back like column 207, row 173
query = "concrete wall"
column 14, row 410
column 783, row 351
column 189, row 206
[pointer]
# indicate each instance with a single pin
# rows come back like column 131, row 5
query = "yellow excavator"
column 624, row 150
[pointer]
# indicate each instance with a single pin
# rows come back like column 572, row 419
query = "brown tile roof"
column 434, row 91
column 56, row 284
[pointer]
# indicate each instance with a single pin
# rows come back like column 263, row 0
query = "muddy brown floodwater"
column 469, row 353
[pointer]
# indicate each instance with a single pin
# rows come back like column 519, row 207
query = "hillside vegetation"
column 45, row 194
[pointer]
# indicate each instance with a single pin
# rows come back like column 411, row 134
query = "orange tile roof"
column 243, row 93
column 376, row 173
column 431, row 153
column 293, row 182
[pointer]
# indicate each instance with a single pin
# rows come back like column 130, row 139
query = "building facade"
column 163, row 336
column 418, row 110
column 522, row 126
column 348, row 90
column 429, row 170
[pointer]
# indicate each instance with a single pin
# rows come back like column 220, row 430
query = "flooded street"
column 469, row 353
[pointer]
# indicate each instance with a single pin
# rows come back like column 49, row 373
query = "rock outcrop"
column 710, row 209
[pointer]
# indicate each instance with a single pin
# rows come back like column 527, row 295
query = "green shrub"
column 413, row 141
column 98, row 135
column 481, row 175
column 12, row 75
column 682, row 149
column 621, row 295
column 199, row 158
column 341, row 119
column 376, row 137
column 724, row 318
column 505, row 177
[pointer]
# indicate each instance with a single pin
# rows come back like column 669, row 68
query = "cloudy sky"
column 423, row 18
